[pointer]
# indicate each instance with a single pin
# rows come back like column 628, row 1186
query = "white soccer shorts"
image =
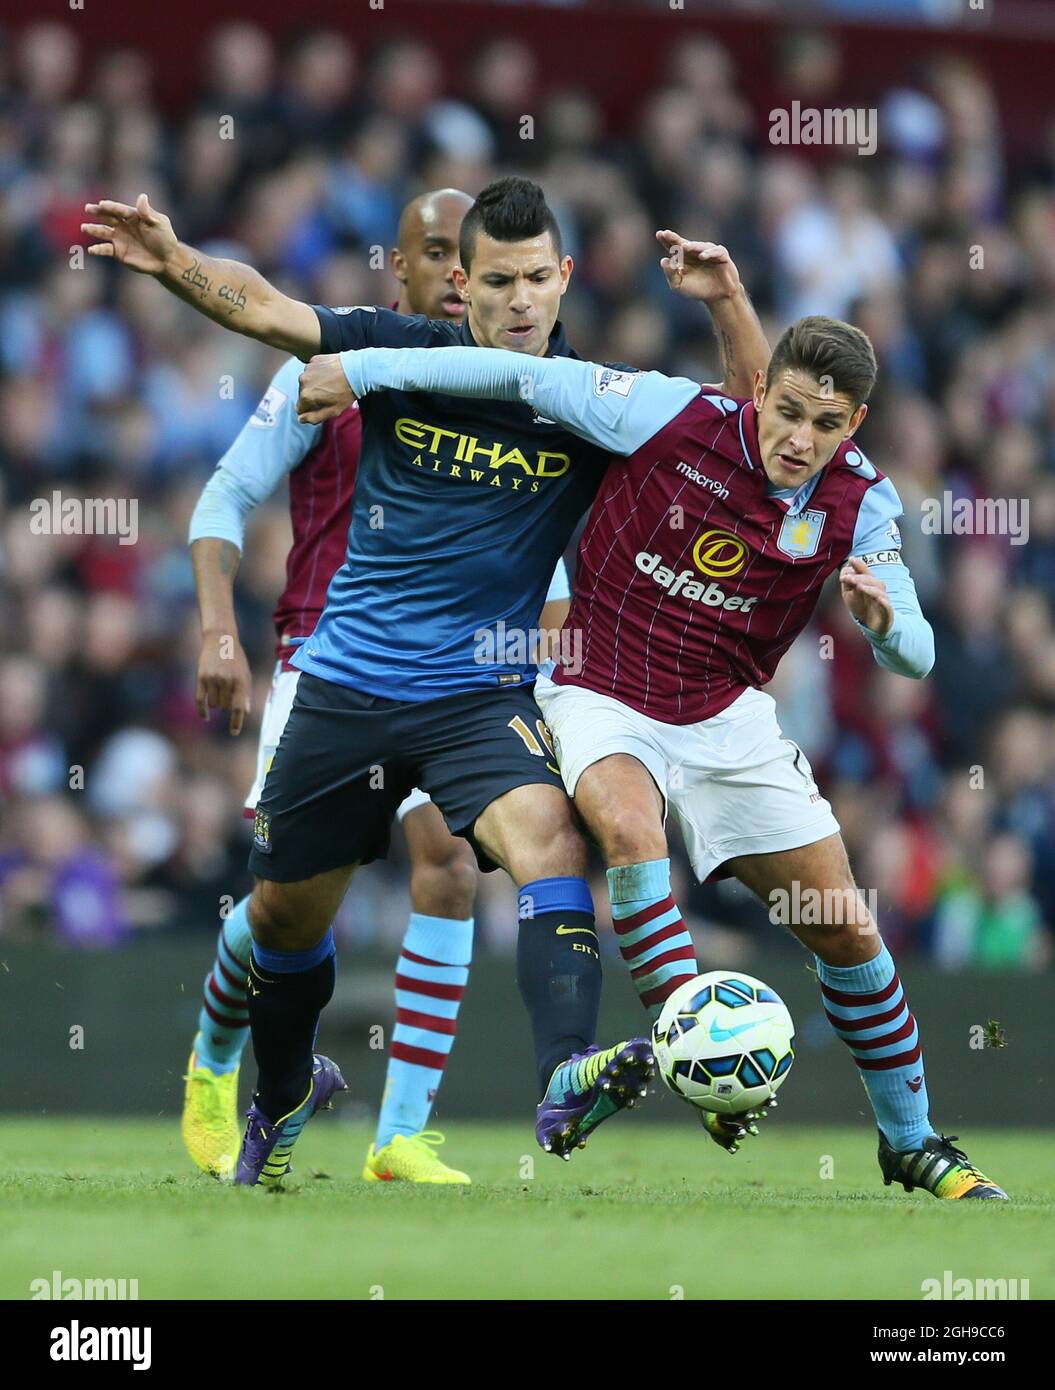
column 276, row 712
column 735, row 784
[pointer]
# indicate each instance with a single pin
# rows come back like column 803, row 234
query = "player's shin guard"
column 558, row 969
column 431, row 976
column 653, row 940
column 223, row 1024
column 287, row 992
column 866, row 1006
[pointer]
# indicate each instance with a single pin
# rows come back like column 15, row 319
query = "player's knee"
column 628, row 836
column 838, row 927
column 282, row 920
column 445, row 888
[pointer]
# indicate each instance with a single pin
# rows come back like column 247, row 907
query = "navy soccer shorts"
column 347, row 759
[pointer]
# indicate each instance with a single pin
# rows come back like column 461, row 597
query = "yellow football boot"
column 411, row 1160
column 940, row 1168
column 209, row 1125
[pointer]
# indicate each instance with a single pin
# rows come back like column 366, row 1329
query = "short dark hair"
column 510, row 209
column 827, row 349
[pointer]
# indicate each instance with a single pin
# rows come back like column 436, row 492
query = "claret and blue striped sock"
column 223, row 1024
column 431, row 976
column 653, row 940
column 866, row 1006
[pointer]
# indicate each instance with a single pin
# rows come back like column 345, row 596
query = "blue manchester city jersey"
column 461, row 511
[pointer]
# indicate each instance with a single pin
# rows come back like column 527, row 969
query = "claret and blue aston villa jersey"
column 695, row 573
column 460, row 512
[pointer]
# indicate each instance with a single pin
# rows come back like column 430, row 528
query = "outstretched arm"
column 616, row 410
column 228, row 292
column 704, row 271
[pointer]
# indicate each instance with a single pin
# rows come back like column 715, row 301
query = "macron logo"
column 694, row 476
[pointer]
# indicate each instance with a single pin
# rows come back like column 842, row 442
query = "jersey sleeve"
column 617, row 410
column 908, row 648
column 559, row 588
column 351, row 329
column 877, row 539
column 270, row 444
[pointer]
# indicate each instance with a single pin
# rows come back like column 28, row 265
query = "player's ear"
column 759, row 393
column 856, row 419
column 398, row 262
column 567, row 265
column 461, row 282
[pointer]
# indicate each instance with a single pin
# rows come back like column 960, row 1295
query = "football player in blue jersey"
column 320, row 464
column 418, row 672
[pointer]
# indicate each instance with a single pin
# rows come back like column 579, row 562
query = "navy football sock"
column 287, row 992
column 558, row 969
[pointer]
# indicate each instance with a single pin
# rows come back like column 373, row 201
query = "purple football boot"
column 266, row 1148
column 588, row 1088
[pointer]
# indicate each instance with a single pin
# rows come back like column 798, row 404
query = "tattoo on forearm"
column 196, row 279
column 725, row 347
column 234, row 297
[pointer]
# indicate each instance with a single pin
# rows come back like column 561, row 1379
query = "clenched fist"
column 866, row 596
column 324, row 390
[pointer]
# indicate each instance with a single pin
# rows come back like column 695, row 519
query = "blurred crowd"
column 121, row 810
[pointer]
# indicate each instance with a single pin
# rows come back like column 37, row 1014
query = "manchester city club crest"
column 800, row 535
column 262, row 831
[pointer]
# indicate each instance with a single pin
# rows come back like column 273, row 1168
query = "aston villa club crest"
column 800, row 535
column 262, row 831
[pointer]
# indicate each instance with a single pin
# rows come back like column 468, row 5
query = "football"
column 724, row 1042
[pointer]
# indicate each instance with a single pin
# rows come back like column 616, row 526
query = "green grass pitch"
column 646, row 1211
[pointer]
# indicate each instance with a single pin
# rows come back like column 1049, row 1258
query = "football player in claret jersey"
column 321, row 462
column 701, row 561
column 459, row 514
